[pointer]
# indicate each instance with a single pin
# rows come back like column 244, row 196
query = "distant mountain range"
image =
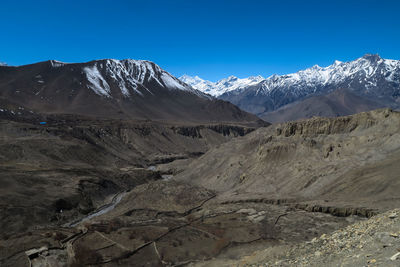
column 138, row 89
column 108, row 88
column 371, row 80
column 222, row 86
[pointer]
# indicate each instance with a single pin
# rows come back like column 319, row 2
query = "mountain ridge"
column 369, row 76
column 119, row 89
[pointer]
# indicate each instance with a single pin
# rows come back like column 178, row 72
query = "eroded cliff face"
column 308, row 160
column 225, row 130
column 327, row 126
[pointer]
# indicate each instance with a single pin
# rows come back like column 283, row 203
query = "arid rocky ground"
column 346, row 162
column 372, row 242
column 295, row 194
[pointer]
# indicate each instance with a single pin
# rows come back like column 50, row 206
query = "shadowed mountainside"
column 341, row 102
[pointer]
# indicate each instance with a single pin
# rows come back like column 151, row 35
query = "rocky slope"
column 164, row 223
column 323, row 162
column 253, row 199
column 373, row 242
column 89, row 159
column 127, row 89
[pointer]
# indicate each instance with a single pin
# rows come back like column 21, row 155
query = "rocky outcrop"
column 340, row 125
column 337, row 211
column 225, row 130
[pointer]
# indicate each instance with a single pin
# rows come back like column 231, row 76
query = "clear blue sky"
column 212, row 39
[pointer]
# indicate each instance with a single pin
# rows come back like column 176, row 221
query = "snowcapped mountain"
column 133, row 89
column 129, row 75
column 366, row 70
column 369, row 76
column 222, row 86
column 198, row 83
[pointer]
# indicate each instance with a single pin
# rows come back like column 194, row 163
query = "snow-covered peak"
column 307, row 79
column 372, row 57
column 256, row 78
column 198, row 83
column 131, row 76
column 222, row 86
column 231, row 78
column 368, row 67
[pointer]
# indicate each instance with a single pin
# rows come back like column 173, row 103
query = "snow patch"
column 97, row 83
column 171, row 82
column 57, row 64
